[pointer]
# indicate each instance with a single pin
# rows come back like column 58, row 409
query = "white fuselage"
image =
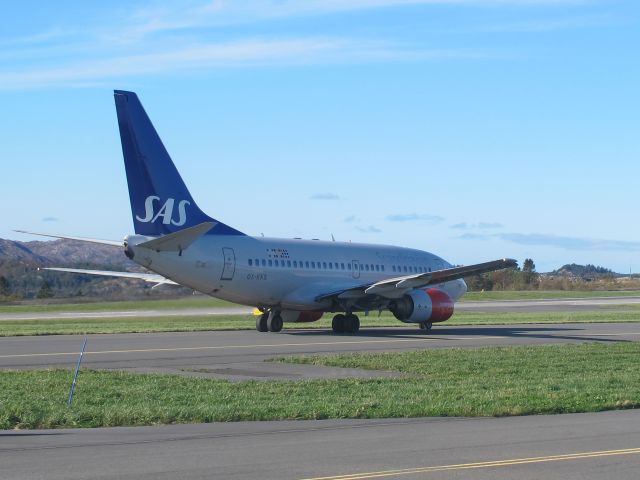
column 285, row 273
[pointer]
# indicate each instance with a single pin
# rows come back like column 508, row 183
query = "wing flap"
column 398, row 286
column 391, row 286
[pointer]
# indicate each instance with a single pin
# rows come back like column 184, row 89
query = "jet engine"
column 307, row 317
column 295, row 316
column 421, row 306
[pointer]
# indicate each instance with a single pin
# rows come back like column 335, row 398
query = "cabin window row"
column 410, row 269
column 309, row 264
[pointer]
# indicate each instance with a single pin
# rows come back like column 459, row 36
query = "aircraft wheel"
column 338, row 323
column 352, row 323
column 261, row 322
column 426, row 326
column 274, row 323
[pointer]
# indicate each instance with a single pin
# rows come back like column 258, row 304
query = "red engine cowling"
column 419, row 306
column 307, row 317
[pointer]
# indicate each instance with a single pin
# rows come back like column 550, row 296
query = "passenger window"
column 250, row 262
column 366, row 267
column 361, row 267
column 275, row 262
column 295, row 264
column 270, row 263
column 289, row 263
column 330, row 266
column 348, row 266
column 377, row 268
column 342, row 266
column 264, row 262
column 313, row 264
column 307, row 264
column 324, row 265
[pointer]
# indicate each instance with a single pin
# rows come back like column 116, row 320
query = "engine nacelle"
column 295, row 316
column 308, row 317
column 420, row 306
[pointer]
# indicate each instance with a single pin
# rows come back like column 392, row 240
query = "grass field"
column 194, row 301
column 494, row 381
column 617, row 313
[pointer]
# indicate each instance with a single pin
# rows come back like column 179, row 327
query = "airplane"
column 287, row 280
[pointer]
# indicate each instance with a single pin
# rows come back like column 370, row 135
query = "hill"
column 582, row 271
column 20, row 263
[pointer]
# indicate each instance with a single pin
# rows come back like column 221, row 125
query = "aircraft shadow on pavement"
column 556, row 332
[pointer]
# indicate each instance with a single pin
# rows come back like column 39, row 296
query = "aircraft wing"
column 113, row 243
column 396, row 287
column 147, row 277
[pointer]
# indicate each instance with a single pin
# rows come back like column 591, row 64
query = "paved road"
column 568, row 447
column 551, row 305
column 241, row 354
column 548, row 305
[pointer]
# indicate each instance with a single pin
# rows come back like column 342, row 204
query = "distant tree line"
column 525, row 278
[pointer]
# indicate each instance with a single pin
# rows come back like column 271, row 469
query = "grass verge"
column 618, row 313
column 492, row 381
column 194, row 301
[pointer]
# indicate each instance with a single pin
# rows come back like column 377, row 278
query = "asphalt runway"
column 548, row 305
column 242, row 354
column 580, row 446
column 568, row 447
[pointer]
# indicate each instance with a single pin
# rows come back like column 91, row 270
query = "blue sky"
column 475, row 129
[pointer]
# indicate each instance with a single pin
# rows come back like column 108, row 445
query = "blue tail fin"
column 160, row 201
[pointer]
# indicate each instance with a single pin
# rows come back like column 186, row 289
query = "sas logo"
column 165, row 211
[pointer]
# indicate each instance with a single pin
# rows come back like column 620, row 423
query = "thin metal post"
column 75, row 375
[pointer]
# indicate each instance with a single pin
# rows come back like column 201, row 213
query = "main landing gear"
column 426, row 326
column 349, row 323
column 269, row 322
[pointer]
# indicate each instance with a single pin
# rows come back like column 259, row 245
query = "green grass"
column 494, row 381
column 617, row 313
column 545, row 294
column 194, row 301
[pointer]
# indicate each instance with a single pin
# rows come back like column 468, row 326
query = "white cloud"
column 414, row 217
column 231, row 54
column 324, row 196
column 369, row 229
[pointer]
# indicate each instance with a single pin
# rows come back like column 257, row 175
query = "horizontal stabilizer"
column 147, row 277
column 113, row 243
column 178, row 241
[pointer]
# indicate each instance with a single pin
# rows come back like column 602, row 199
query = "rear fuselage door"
column 229, row 267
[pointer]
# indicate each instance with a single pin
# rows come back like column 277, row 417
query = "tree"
column 45, row 290
column 5, row 288
column 529, row 271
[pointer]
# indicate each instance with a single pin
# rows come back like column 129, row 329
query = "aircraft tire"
column 338, row 323
column 426, row 326
column 261, row 322
column 352, row 323
column 274, row 324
